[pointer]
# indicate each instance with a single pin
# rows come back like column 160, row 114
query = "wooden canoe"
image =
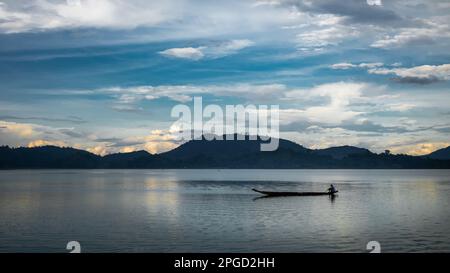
column 287, row 193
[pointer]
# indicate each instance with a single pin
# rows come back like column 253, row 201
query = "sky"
column 103, row 75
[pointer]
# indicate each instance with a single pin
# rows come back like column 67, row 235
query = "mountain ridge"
column 442, row 154
column 228, row 154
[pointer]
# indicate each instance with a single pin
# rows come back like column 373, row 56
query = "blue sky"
column 104, row 75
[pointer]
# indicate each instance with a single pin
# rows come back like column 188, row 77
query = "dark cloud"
column 445, row 129
column 111, row 139
column 369, row 126
column 72, row 133
column 351, row 125
column 297, row 126
column 70, row 119
column 416, row 80
column 356, row 11
column 366, row 126
column 124, row 143
column 363, row 104
column 118, row 142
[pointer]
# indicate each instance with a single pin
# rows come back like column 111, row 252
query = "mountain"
column 227, row 148
column 133, row 160
column 52, row 157
column 47, row 157
column 442, row 154
column 245, row 153
column 230, row 154
column 342, row 151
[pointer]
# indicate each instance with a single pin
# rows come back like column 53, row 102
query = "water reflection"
column 210, row 210
column 332, row 197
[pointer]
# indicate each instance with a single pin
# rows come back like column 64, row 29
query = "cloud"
column 330, row 113
column 128, row 97
column 404, row 142
column 318, row 39
column 159, row 147
column 366, row 125
column 394, row 24
column 355, row 11
column 415, row 80
column 19, row 129
column 33, row 135
column 151, row 20
column 327, row 103
column 98, row 150
column 41, row 142
column 227, row 48
column 70, row 119
column 211, row 51
column 435, row 30
column 417, row 149
column 128, row 150
column 406, row 37
column 374, row 2
column 312, row 26
column 184, row 53
column 423, row 74
column 336, row 109
column 156, row 141
column 23, row 16
column 345, row 66
column 332, row 106
column 400, row 107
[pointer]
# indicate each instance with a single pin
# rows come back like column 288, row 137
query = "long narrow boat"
column 287, row 193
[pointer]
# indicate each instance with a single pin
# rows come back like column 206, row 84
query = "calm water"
column 215, row 210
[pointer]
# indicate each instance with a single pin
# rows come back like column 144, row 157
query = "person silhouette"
column 332, row 189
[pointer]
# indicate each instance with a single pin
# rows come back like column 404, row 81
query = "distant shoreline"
column 204, row 154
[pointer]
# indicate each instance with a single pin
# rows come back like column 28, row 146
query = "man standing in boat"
column 332, row 189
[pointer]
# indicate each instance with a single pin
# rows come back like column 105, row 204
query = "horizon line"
column 258, row 136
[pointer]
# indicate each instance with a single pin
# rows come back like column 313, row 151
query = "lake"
column 216, row 211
